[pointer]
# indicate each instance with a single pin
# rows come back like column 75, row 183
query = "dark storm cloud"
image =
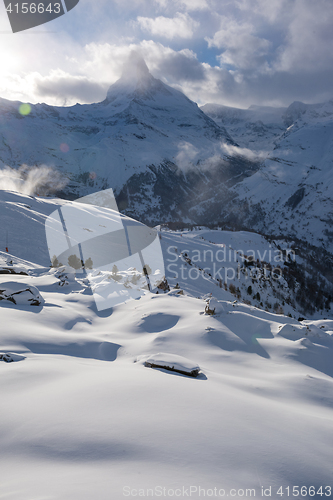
column 180, row 67
column 70, row 87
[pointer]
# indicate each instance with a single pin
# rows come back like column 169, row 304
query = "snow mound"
column 214, row 307
column 9, row 357
column 173, row 362
column 297, row 332
column 20, row 293
column 293, row 332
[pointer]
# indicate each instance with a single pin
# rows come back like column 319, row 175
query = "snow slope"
column 201, row 261
column 82, row 417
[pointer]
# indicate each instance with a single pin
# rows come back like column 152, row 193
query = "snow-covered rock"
column 20, row 293
column 12, row 270
column 173, row 362
column 9, row 357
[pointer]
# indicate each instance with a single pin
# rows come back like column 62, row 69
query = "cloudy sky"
column 232, row 52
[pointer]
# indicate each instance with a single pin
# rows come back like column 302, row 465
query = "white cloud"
column 186, row 156
column 241, row 47
column 248, row 153
column 180, row 26
column 309, row 43
column 194, row 4
column 299, row 35
column 273, row 11
column 32, row 180
column 188, row 5
column 57, row 88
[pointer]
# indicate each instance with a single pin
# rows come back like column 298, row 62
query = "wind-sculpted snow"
column 81, row 400
column 81, row 405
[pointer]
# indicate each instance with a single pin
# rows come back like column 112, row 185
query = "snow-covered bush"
column 214, row 306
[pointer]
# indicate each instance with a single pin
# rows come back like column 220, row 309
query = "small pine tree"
column 249, row 290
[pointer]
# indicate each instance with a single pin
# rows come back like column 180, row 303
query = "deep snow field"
column 83, row 418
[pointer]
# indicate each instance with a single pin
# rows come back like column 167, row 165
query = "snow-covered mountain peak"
column 308, row 112
column 294, row 112
column 135, row 67
column 136, row 82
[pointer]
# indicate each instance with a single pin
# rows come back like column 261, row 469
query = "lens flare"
column 24, row 109
column 64, row 147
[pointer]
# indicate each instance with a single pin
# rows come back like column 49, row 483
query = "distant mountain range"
column 292, row 191
column 255, row 128
column 167, row 160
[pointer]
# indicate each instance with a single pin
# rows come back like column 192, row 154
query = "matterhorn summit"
column 135, row 68
column 148, row 98
column 137, row 82
column 135, row 79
